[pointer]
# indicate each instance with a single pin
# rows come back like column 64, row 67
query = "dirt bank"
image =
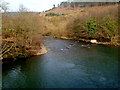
column 42, row 51
column 89, row 41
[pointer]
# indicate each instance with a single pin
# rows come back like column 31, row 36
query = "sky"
column 33, row 5
column 37, row 5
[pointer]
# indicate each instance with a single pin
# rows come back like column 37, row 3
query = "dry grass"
column 72, row 25
column 24, row 30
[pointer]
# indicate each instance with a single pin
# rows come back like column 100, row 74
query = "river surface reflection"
column 68, row 64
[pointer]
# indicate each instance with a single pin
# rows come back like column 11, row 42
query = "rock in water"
column 93, row 41
column 67, row 47
column 61, row 49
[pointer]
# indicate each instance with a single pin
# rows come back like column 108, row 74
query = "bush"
column 21, row 30
column 109, row 26
column 53, row 14
column 91, row 27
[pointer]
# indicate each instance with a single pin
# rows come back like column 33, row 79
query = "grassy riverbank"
column 20, row 36
column 100, row 23
column 23, row 33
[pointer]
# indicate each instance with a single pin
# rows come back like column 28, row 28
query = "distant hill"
column 68, row 7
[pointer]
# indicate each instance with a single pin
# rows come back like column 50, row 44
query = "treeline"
column 85, row 4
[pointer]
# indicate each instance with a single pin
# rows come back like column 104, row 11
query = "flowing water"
column 68, row 64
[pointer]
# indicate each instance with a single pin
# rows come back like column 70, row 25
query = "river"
column 68, row 64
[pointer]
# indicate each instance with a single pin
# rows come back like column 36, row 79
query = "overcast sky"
column 33, row 5
column 39, row 5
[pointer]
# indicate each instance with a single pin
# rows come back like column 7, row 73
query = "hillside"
column 62, row 10
column 67, row 7
column 99, row 22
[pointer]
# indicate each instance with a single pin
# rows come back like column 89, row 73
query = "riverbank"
column 100, row 23
column 42, row 51
column 89, row 41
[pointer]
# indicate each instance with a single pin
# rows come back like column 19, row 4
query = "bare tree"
column 53, row 5
column 3, row 6
column 22, row 8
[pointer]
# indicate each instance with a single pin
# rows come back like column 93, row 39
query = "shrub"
column 91, row 27
column 53, row 14
column 109, row 26
column 50, row 14
column 21, row 29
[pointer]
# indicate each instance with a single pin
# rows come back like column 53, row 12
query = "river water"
column 68, row 64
